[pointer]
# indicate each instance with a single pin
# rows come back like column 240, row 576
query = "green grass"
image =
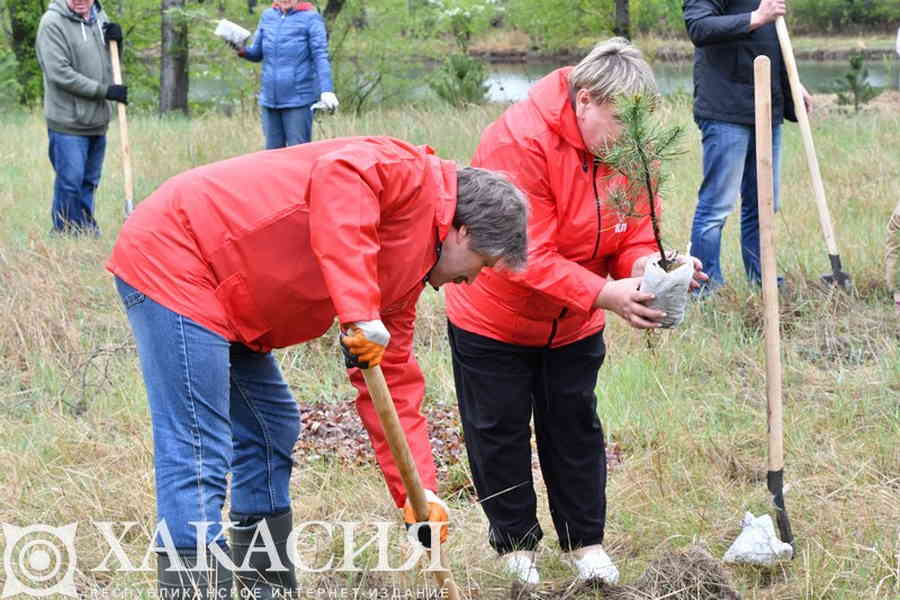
column 688, row 412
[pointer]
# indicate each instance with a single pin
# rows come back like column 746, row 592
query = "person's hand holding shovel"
column 437, row 513
column 363, row 344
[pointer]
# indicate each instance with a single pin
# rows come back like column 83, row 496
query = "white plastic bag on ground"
column 232, row 32
column 670, row 289
column 757, row 544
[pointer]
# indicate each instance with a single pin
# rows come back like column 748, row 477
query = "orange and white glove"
column 437, row 513
column 364, row 343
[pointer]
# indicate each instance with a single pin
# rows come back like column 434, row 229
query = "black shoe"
column 259, row 579
column 185, row 582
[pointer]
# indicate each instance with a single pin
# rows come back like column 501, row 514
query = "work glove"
column 112, row 31
column 363, row 344
column 328, row 101
column 437, row 513
column 119, row 93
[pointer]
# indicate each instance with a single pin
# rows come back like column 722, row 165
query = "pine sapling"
column 855, row 88
column 639, row 154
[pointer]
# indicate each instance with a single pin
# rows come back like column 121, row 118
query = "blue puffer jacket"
column 293, row 48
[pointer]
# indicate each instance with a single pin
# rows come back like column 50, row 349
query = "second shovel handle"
column 787, row 53
column 123, row 130
column 765, row 196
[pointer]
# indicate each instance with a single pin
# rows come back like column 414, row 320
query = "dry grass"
column 689, row 415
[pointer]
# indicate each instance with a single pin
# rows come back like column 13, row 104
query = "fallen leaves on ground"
column 334, row 431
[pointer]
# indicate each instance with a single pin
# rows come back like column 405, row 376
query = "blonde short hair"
column 611, row 69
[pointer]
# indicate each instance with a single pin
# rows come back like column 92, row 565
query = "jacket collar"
column 301, row 7
column 553, row 100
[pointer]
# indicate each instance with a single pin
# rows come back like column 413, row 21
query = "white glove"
column 375, row 331
column 328, row 101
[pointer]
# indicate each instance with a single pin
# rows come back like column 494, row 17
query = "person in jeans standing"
column 74, row 56
column 292, row 44
column 727, row 36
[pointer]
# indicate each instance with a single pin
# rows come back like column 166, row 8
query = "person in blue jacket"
column 292, row 44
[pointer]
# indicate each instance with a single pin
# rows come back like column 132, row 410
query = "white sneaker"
column 594, row 564
column 521, row 565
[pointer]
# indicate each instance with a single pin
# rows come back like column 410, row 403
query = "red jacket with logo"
column 267, row 249
column 576, row 240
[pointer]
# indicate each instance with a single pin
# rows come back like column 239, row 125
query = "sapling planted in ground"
column 639, row 154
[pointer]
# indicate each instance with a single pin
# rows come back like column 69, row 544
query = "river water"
column 510, row 82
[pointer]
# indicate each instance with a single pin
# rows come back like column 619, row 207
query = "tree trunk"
column 332, row 10
column 623, row 20
column 24, row 17
column 173, row 70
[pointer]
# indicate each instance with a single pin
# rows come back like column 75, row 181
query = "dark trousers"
column 499, row 387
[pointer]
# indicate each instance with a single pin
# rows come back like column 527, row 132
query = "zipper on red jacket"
column 597, row 203
column 555, row 324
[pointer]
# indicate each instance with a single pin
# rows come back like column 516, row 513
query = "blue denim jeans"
column 729, row 170
column 215, row 406
column 77, row 161
column 286, row 126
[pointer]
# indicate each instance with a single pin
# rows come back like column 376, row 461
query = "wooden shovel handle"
column 123, row 130
column 396, row 438
column 787, row 53
column 765, row 197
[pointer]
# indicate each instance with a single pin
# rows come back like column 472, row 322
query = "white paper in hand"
column 232, row 32
column 757, row 544
column 670, row 289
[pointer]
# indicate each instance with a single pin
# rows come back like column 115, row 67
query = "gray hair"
column 495, row 212
column 613, row 68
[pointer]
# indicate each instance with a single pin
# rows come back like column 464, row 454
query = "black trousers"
column 499, row 387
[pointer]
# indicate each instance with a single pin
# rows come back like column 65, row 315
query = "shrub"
column 460, row 80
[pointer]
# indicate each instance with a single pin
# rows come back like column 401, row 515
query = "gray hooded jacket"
column 77, row 70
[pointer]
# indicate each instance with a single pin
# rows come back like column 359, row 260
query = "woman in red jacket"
column 530, row 343
column 225, row 262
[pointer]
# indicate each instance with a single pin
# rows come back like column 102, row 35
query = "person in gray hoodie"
column 74, row 56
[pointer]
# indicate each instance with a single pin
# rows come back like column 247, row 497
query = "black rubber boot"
column 191, row 584
column 258, row 581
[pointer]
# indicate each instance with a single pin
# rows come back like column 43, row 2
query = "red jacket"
column 266, row 249
column 576, row 239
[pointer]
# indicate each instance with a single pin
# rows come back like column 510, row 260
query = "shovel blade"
column 775, row 483
column 837, row 276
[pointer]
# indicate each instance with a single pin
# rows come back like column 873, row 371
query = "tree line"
column 372, row 42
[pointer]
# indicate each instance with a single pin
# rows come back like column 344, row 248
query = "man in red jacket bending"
column 225, row 262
